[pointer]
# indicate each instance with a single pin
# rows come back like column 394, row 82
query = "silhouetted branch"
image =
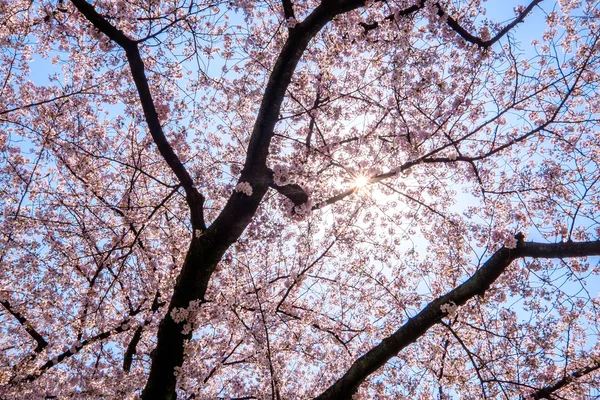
column 131, row 349
column 462, row 32
column 288, row 9
column 35, row 335
column 432, row 314
column 293, row 192
column 455, row 25
column 75, row 348
column 547, row 391
column 136, row 64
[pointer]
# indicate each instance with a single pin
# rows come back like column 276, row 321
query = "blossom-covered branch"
column 432, row 314
column 136, row 64
column 41, row 343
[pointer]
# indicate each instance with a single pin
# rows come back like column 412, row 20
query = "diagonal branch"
column 76, row 348
column 547, row 391
column 35, row 335
column 136, row 65
column 207, row 248
column 432, row 314
column 455, row 25
column 240, row 208
column 470, row 355
column 42, row 102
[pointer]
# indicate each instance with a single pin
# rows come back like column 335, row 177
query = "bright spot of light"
column 361, row 181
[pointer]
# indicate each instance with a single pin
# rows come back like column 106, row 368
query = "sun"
column 361, row 181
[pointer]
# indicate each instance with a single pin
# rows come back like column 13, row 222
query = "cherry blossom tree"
column 316, row 199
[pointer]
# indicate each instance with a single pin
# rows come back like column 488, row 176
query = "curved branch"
column 240, row 208
column 462, row 32
column 432, row 314
column 455, row 25
column 207, row 248
column 136, row 65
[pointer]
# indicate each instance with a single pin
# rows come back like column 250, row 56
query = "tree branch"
column 240, row 208
column 42, row 102
column 76, row 348
column 547, row 391
column 35, row 335
column 432, row 314
column 391, row 17
column 462, row 32
column 455, row 25
column 131, row 348
column 293, row 192
column 206, row 250
column 194, row 198
column 288, row 9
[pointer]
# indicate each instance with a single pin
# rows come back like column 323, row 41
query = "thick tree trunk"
column 206, row 250
column 191, row 284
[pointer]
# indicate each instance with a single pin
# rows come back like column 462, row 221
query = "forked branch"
column 35, row 335
column 136, row 64
column 466, row 35
column 455, row 25
column 547, row 391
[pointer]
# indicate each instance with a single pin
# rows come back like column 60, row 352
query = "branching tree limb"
column 136, row 64
column 35, row 335
column 547, row 391
column 433, row 313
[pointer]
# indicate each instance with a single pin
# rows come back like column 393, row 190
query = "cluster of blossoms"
column 291, row 22
column 188, row 316
column 163, row 110
column 511, row 243
column 281, row 175
column 449, row 308
column 244, row 187
column 235, row 169
column 303, row 209
column 177, row 371
column 507, row 239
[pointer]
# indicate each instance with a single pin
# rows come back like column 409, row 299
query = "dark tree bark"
column 432, row 314
column 208, row 244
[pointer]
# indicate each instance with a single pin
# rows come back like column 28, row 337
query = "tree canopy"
column 286, row 199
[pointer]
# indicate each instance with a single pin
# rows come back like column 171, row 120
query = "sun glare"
column 361, row 181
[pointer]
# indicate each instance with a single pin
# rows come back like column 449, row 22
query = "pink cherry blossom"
column 291, row 200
